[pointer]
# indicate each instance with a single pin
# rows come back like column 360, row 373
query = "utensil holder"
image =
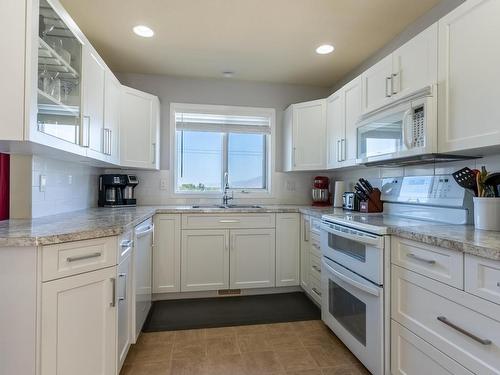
column 373, row 204
column 487, row 213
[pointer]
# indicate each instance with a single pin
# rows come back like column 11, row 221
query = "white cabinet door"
column 376, row 83
column 287, row 249
column 415, row 63
column 352, row 109
column 309, row 135
column 204, row 260
column 143, row 254
column 167, row 254
column 469, row 78
column 305, row 245
column 124, row 289
column 111, row 141
column 93, row 72
column 78, row 324
column 252, row 258
column 139, row 129
column 335, row 124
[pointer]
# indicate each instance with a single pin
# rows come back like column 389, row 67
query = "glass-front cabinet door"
column 59, row 77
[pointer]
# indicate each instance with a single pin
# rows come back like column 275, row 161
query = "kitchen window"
column 212, row 142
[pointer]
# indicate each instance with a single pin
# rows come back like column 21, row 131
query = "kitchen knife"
column 361, row 192
column 366, row 185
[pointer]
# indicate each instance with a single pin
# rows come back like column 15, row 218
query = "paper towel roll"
column 337, row 193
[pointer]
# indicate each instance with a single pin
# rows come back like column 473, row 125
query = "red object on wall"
column 4, row 186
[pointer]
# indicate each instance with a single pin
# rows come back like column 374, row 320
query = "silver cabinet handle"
column 387, row 87
column 316, row 291
column 342, row 148
column 228, row 221
column 444, row 320
column 338, row 151
column 306, row 230
column 317, row 268
column 83, row 257
column 420, row 259
column 394, row 90
column 294, row 161
column 110, row 140
column 124, row 275
column 113, row 285
column 85, row 133
column 154, row 153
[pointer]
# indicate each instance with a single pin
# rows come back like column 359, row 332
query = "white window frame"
column 230, row 111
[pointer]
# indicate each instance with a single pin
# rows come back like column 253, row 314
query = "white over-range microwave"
column 403, row 129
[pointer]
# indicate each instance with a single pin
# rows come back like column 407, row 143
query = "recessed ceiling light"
column 143, row 31
column 325, row 49
column 228, row 74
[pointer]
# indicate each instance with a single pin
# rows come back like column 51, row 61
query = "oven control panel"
column 441, row 190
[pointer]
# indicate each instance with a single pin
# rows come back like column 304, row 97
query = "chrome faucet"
column 225, row 197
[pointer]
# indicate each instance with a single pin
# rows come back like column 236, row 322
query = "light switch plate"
column 163, row 184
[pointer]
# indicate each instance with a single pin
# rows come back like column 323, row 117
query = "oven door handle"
column 365, row 239
column 368, row 289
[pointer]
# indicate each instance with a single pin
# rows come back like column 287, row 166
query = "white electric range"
column 356, row 260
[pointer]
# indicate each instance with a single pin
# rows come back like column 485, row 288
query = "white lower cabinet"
column 205, row 260
column 287, row 249
column 410, row 355
column 167, row 254
column 460, row 325
column 124, row 291
column 252, row 258
column 78, row 324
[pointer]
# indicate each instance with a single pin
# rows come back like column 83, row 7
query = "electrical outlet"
column 290, row 185
column 43, row 182
column 163, row 184
column 70, row 179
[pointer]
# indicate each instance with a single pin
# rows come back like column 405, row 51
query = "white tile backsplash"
column 70, row 186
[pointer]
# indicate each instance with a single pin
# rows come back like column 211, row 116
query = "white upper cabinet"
column 93, row 103
column 343, row 112
column 415, row 63
column 111, row 140
column 411, row 67
column 469, row 77
column 139, row 129
column 377, row 85
column 305, row 136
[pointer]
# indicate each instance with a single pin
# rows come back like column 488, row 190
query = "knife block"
column 373, row 204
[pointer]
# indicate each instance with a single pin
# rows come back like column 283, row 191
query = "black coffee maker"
column 117, row 190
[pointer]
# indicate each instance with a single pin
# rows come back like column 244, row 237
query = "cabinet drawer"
column 482, row 277
column 462, row 326
column 315, row 247
column 435, row 262
column 410, row 355
column 216, row 221
column 315, row 266
column 72, row 258
column 125, row 246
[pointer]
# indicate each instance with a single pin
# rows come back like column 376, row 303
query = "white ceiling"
column 260, row 40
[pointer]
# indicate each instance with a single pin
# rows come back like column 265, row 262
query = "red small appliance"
column 4, row 186
column 321, row 192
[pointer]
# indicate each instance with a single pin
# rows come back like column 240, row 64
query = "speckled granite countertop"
column 102, row 222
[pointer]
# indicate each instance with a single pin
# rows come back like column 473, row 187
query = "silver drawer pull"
column 416, row 257
column 124, row 275
column 317, row 268
column 113, row 285
column 229, row 221
column 444, row 320
column 83, row 257
column 316, row 291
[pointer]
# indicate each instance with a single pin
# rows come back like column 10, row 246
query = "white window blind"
column 206, row 122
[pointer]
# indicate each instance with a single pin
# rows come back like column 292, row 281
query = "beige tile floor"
column 298, row 348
